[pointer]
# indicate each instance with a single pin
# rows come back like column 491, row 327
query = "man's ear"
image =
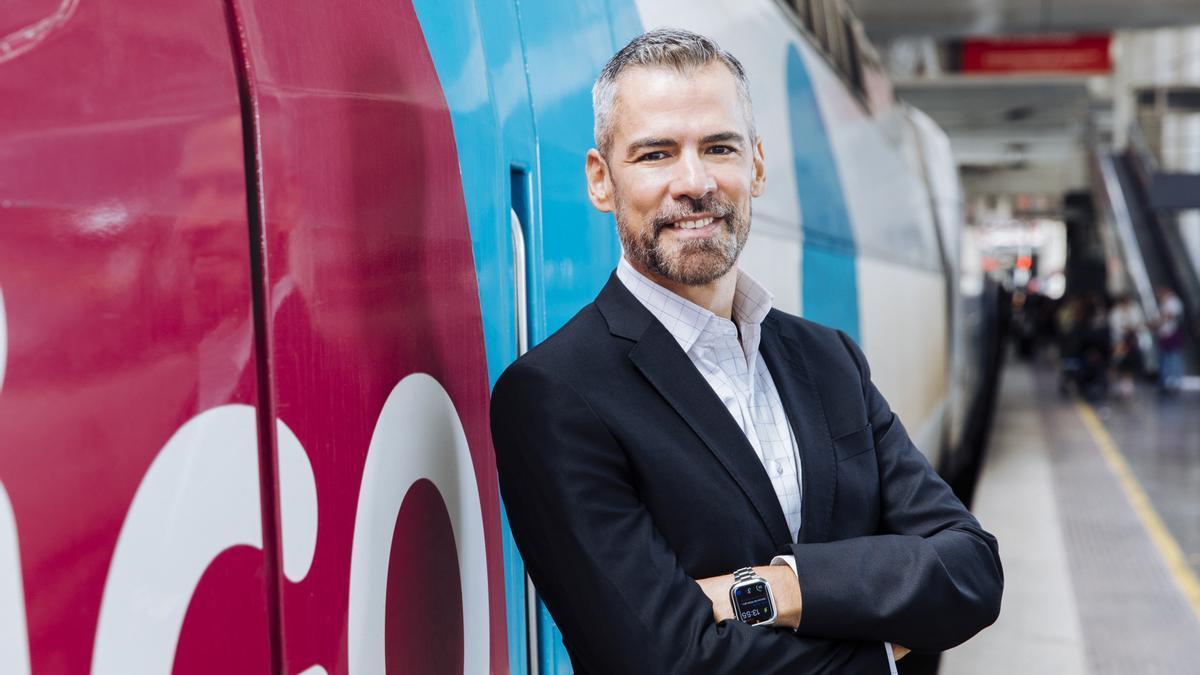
column 599, row 180
column 758, row 181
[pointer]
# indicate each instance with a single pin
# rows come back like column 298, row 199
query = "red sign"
column 1042, row 54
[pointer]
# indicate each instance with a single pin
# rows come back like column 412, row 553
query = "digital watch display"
column 753, row 602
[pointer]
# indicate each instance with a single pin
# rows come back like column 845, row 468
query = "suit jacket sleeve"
column 611, row 582
column 929, row 580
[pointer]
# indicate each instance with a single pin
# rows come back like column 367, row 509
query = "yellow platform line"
column 1167, row 547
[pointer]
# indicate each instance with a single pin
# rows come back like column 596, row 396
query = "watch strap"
column 745, row 574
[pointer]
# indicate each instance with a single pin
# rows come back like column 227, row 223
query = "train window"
column 805, row 9
column 817, row 10
column 853, row 56
column 836, row 40
column 838, row 36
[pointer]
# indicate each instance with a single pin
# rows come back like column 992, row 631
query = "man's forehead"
column 636, row 81
column 663, row 95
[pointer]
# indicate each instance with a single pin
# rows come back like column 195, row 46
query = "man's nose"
column 691, row 178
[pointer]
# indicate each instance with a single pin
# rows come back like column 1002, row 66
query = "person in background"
column 1170, row 340
column 1125, row 321
column 1085, row 347
column 1066, row 318
column 1095, row 347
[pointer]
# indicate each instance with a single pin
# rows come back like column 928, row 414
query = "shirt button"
column 777, row 467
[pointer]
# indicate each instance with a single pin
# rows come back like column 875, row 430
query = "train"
column 261, row 262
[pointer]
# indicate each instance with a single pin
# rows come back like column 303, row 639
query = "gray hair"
column 675, row 48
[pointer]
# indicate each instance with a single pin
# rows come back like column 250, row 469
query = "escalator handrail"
column 1119, row 208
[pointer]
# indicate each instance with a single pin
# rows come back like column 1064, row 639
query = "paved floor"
column 1160, row 438
column 1088, row 588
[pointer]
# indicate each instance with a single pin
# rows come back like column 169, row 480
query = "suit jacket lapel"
column 818, row 466
column 658, row 356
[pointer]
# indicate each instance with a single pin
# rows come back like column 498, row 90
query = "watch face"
column 752, row 602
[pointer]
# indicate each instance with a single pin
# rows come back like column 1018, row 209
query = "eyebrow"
column 723, row 137
column 644, row 143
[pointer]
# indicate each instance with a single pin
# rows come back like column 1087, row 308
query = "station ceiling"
column 1007, row 121
column 887, row 19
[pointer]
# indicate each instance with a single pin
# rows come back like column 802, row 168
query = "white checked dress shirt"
column 737, row 374
column 735, row 371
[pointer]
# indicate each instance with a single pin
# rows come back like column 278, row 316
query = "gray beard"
column 692, row 263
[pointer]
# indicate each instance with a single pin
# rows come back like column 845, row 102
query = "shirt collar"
column 685, row 320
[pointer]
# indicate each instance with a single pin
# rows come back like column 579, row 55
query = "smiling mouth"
column 693, row 223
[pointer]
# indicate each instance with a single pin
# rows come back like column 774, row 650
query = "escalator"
column 1154, row 251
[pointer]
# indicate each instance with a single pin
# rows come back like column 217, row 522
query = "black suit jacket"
column 625, row 479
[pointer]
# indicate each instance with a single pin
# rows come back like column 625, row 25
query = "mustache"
column 690, row 206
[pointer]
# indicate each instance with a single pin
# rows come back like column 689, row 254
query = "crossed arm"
column 949, row 583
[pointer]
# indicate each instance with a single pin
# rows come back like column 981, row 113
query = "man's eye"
column 722, row 150
column 652, row 156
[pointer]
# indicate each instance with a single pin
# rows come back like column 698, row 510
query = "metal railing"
column 1118, row 208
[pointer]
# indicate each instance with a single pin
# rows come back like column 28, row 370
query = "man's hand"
column 717, row 590
column 784, row 586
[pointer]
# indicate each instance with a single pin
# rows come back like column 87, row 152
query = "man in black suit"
column 678, row 429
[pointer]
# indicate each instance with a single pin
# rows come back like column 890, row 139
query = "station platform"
column 1097, row 512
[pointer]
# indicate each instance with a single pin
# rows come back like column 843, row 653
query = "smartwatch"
column 753, row 602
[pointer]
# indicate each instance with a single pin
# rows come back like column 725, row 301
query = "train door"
column 132, row 538
column 540, row 61
column 476, row 51
column 517, row 80
column 573, row 248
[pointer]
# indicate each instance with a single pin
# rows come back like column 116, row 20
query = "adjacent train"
column 260, row 262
